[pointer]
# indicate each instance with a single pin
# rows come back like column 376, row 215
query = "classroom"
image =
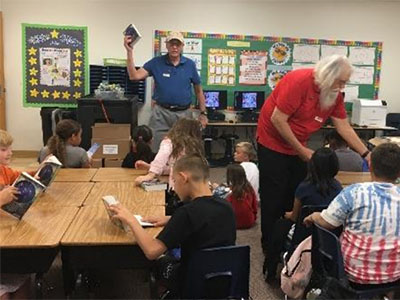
column 244, row 168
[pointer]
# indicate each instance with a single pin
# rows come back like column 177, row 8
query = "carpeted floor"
column 133, row 284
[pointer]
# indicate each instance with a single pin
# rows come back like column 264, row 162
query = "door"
column 2, row 90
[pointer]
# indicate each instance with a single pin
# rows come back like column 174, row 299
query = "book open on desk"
column 29, row 189
column 154, row 185
column 111, row 200
column 48, row 170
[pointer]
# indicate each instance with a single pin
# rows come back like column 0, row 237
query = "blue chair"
column 327, row 261
column 218, row 273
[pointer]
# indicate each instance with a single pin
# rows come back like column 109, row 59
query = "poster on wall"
column 55, row 65
column 253, row 67
column 221, row 66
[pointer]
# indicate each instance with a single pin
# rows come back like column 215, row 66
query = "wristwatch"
column 204, row 113
column 364, row 155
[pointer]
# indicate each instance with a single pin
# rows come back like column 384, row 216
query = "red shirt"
column 296, row 95
column 245, row 209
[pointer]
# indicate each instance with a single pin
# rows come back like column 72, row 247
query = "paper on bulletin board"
column 362, row 55
column 221, row 66
column 196, row 58
column 253, row 67
column 193, row 46
column 350, row 93
column 303, row 53
column 328, row 50
column 362, row 75
column 297, row 66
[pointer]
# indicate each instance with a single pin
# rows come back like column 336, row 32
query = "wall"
column 347, row 20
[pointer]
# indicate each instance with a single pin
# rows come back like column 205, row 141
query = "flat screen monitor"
column 215, row 100
column 248, row 100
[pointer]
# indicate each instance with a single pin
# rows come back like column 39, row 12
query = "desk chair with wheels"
column 327, row 261
column 218, row 273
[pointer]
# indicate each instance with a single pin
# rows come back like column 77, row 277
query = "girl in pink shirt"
column 183, row 138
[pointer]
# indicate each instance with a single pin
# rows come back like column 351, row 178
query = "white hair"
column 326, row 72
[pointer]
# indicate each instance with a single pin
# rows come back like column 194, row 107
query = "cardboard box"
column 112, row 131
column 112, row 148
column 97, row 163
column 112, row 163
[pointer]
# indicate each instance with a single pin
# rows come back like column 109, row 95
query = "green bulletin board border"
column 24, row 77
column 158, row 34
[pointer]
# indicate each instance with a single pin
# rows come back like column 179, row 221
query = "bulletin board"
column 55, row 65
column 257, row 63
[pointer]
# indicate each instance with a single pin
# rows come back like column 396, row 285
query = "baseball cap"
column 175, row 35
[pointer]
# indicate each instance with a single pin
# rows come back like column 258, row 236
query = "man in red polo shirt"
column 300, row 104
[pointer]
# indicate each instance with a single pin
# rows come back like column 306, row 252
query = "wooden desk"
column 94, row 242
column 61, row 194
column 74, row 175
column 347, row 178
column 117, row 174
column 126, row 192
column 381, row 140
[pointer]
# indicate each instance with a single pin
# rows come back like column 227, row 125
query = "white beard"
column 327, row 98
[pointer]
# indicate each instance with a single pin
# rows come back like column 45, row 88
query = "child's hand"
column 122, row 213
column 142, row 165
column 288, row 215
column 8, row 194
column 147, row 177
column 308, row 221
column 157, row 221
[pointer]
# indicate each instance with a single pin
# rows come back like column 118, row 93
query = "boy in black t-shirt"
column 203, row 222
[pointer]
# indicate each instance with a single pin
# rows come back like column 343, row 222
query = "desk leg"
column 68, row 273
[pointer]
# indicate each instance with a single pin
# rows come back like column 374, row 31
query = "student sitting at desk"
column 203, row 222
column 348, row 159
column 7, row 175
column 65, row 145
column 141, row 151
column 369, row 214
column 319, row 188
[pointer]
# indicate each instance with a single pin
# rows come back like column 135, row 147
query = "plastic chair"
column 327, row 261
column 218, row 273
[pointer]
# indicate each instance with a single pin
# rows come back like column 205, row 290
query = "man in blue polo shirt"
column 174, row 76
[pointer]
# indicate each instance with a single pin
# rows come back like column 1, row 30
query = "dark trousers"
column 280, row 174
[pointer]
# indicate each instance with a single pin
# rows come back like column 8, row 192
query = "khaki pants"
column 161, row 121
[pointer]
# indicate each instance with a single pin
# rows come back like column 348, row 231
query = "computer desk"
column 93, row 242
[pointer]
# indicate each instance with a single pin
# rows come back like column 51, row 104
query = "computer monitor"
column 215, row 100
column 248, row 100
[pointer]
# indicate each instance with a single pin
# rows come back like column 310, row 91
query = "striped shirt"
column 370, row 214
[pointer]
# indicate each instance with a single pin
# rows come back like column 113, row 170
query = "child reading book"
column 141, row 152
column 203, row 222
column 65, row 145
column 183, row 138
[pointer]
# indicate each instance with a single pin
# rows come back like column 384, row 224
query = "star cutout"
column 78, row 53
column 77, row 95
column 32, row 61
column 33, row 81
column 77, row 63
column 54, row 34
column 55, row 94
column 32, row 51
column 45, row 94
column 34, row 93
column 65, row 95
column 77, row 82
column 77, row 73
column 33, row 71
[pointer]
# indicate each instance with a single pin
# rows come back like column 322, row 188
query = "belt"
column 174, row 107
